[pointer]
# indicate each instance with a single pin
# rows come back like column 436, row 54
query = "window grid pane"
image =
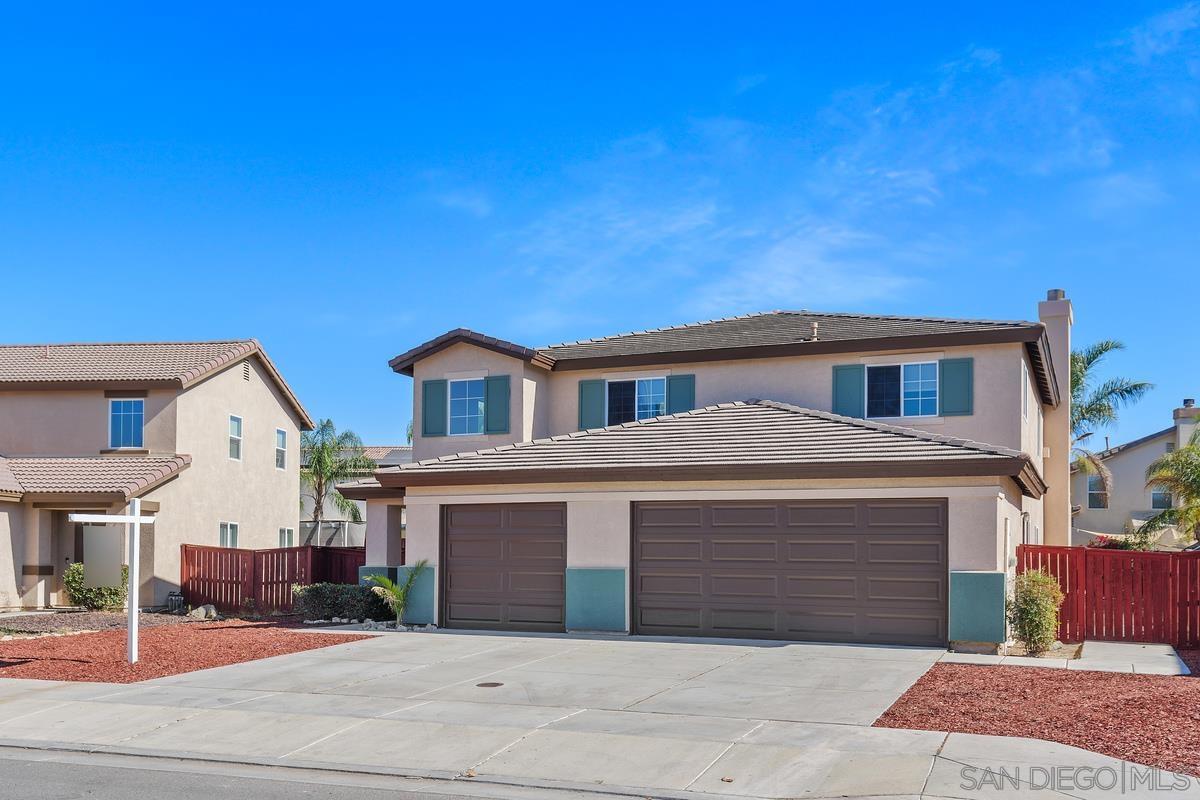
column 651, row 397
column 622, row 402
column 883, row 391
column 920, row 390
column 126, row 418
column 466, row 407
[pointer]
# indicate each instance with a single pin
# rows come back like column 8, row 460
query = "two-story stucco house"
column 1131, row 501
column 787, row 475
column 206, row 433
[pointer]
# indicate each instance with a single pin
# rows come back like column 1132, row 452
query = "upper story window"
column 287, row 537
column 467, row 406
column 1097, row 497
column 1160, row 499
column 125, row 421
column 280, row 448
column 903, row 390
column 636, row 399
column 235, row 437
column 229, row 534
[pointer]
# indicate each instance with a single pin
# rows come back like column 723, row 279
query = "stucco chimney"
column 1058, row 315
column 1187, row 417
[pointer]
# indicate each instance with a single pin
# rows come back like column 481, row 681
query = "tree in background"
column 1095, row 404
column 330, row 458
column 1177, row 472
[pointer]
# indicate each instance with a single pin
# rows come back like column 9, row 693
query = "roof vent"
column 245, row 370
column 1189, row 402
column 1056, row 294
column 814, row 330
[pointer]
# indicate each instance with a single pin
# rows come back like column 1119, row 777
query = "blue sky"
column 346, row 182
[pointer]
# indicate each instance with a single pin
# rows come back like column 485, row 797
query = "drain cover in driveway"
column 489, row 685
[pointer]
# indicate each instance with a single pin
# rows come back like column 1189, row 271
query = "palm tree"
column 1177, row 472
column 330, row 458
column 1096, row 405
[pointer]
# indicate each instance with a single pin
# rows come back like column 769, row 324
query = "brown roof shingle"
column 752, row 439
column 124, row 476
column 139, row 364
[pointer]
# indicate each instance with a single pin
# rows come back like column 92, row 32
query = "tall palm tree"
column 331, row 457
column 1095, row 403
column 1177, row 472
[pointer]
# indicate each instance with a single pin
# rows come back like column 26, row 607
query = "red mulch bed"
column 167, row 650
column 1146, row 719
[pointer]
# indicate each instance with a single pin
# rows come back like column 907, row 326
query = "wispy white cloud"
column 1163, row 32
column 1119, row 193
column 472, row 201
column 746, row 83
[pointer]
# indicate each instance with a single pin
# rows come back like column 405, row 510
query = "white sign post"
column 134, row 521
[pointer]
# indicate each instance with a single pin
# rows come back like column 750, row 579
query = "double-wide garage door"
column 850, row 571
column 854, row 571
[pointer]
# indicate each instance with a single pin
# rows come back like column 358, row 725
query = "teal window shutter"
column 849, row 390
column 433, row 408
column 681, row 393
column 495, row 404
column 956, row 386
column 591, row 404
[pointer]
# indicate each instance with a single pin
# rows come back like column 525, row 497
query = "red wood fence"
column 1122, row 595
column 228, row 577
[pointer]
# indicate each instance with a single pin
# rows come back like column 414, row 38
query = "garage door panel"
column 651, row 583
column 747, row 586
column 744, row 549
column 905, row 551
column 669, row 516
column 505, row 567
column 822, row 551
column 737, row 516
column 867, row 571
column 822, row 587
column 655, row 549
column 822, row 515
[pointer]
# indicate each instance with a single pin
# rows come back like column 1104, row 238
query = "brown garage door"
column 504, row 566
column 854, row 571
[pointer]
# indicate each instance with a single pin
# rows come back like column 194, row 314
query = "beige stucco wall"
column 599, row 515
column 1129, row 494
column 75, row 422
column 12, row 554
column 215, row 489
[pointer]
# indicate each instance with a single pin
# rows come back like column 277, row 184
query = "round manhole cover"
column 489, row 685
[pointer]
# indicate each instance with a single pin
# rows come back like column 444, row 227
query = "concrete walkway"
column 627, row 716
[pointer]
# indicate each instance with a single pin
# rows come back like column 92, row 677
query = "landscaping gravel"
column 70, row 621
column 163, row 650
column 1146, row 719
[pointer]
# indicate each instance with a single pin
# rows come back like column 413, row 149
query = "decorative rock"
column 207, row 611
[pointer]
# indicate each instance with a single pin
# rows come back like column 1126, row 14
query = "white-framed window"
column 229, row 534
column 903, row 390
column 235, row 437
column 1024, row 390
column 641, row 398
column 1097, row 497
column 467, row 401
column 126, row 419
column 280, row 448
column 287, row 537
column 1160, row 499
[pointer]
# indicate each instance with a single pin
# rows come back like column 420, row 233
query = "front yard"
column 172, row 646
column 1147, row 719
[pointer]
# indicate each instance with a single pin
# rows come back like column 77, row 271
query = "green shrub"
column 100, row 599
column 1033, row 611
column 346, row 600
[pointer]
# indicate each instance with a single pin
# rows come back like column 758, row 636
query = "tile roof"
column 127, row 476
column 8, row 482
column 756, row 438
column 763, row 335
column 773, row 328
column 139, row 364
column 383, row 455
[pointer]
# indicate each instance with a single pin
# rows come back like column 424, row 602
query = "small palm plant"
column 395, row 594
column 1178, row 472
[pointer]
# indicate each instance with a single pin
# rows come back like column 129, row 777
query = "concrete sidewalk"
column 626, row 716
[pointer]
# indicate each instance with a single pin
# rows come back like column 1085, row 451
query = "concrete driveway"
column 636, row 715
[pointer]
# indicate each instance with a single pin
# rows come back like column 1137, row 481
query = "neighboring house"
column 787, row 475
column 207, row 434
column 1131, row 501
column 337, row 529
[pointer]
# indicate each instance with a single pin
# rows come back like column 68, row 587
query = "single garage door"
column 504, row 566
column 852, row 571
